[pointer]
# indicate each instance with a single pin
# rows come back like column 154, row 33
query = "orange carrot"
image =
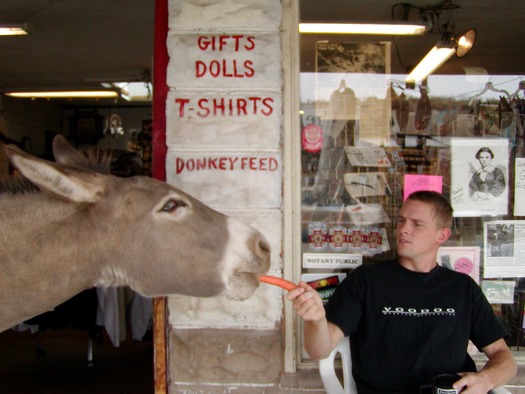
column 273, row 280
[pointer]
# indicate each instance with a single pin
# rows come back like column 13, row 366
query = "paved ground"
column 127, row 369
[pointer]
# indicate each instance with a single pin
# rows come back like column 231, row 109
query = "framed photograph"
column 499, row 291
column 480, row 169
column 366, row 184
column 504, row 246
column 464, row 259
column 350, row 57
column 367, row 156
column 86, row 127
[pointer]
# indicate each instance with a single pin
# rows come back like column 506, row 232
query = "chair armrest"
column 331, row 382
column 499, row 390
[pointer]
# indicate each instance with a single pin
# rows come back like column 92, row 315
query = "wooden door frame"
column 160, row 93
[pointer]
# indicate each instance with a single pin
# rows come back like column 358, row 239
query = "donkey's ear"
column 67, row 182
column 65, row 153
column 93, row 159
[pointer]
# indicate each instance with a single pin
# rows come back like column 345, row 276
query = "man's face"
column 418, row 236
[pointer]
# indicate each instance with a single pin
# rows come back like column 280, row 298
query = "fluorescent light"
column 66, row 94
column 430, row 63
column 19, row 29
column 442, row 51
column 416, row 29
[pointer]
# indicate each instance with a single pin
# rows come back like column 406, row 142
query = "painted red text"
column 224, row 68
column 226, row 164
column 223, row 107
column 221, row 42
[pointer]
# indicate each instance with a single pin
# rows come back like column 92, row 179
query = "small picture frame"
column 86, row 127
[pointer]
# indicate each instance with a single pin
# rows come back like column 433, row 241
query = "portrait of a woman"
column 488, row 182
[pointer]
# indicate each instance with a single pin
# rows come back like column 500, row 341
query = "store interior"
column 433, row 126
column 87, row 45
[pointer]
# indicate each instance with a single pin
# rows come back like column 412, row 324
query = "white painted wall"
column 224, row 135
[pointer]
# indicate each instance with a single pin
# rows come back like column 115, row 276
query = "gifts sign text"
column 233, row 68
column 228, row 62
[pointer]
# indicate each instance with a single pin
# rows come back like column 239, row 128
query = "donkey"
column 83, row 229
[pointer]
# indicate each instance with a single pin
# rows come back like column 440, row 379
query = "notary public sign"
column 331, row 260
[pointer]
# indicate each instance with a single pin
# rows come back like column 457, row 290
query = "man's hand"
column 307, row 303
column 320, row 336
column 472, row 383
column 498, row 370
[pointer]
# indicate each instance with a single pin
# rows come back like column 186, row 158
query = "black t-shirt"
column 406, row 327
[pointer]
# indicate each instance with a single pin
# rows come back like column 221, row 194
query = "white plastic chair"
column 331, row 382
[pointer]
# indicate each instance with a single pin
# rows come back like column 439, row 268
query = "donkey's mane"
column 17, row 184
column 96, row 160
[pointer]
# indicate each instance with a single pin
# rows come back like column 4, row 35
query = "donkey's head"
column 147, row 234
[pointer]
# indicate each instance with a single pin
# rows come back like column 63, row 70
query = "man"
column 409, row 319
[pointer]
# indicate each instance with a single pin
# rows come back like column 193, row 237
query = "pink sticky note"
column 413, row 183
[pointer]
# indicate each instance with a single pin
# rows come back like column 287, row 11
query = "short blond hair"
column 442, row 210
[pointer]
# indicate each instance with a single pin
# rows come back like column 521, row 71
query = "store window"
column 368, row 139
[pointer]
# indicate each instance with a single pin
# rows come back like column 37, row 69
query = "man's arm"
column 498, row 370
column 320, row 336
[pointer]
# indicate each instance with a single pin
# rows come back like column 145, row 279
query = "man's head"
column 442, row 210
column 423, row 225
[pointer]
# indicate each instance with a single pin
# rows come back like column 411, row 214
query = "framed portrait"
column 480, row 176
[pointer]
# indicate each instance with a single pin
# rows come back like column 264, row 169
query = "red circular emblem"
column 312, row 138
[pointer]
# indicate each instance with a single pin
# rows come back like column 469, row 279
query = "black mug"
column 442, row 384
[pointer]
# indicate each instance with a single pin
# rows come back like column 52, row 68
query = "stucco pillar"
column 224, row 132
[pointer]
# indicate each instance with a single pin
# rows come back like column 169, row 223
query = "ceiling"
column 499, row 47
column 79, row 44
column 76, row 44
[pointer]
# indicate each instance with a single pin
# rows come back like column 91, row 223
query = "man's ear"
column 444, row 234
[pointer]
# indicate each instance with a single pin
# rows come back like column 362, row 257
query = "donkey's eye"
column 172, row 205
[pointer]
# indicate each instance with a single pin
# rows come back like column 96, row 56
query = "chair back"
column 331, row 382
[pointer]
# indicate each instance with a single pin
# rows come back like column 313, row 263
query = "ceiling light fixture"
column 14, row 29
column 65, row 94
column 430, row 63
column 464, row 42
column 441, row 52
column 405, row 28
column 133, row 91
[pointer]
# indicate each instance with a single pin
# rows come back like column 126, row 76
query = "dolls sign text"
column 224, row 60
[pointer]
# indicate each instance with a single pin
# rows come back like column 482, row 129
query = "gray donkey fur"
column 85, row 229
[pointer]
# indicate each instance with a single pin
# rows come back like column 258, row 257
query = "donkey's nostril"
column 264, row 247
column 262, row 252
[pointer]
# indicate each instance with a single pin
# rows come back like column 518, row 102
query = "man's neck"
column 418, row 266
